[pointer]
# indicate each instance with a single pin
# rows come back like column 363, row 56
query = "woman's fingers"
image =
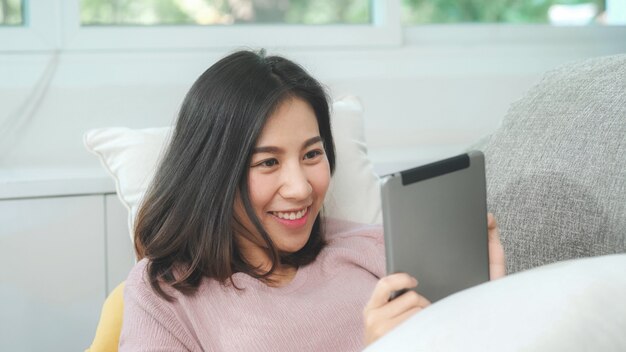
column 404, row 316
column 381, row 315
column 403, row 303
column 385, row 326
column 386, row 286
column 491, row 221
column 497, row 263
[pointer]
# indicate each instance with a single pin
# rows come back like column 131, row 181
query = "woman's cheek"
column 260, row 188
column 321, row 178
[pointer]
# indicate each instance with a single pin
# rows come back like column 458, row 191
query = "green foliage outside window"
column 216, row 12
column 486, row 11
column 212, row 12
column 11, row 12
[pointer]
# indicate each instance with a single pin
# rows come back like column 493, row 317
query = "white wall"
column 427, row 98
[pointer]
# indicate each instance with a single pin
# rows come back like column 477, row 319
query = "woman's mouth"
column 292, row 219
column 291, row 215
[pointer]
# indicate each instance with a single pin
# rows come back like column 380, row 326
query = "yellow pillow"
column 110, row 326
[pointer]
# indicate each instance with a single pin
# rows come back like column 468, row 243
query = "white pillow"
column 576, row 305
column 131, row 157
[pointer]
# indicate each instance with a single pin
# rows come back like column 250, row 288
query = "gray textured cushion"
column 556, row 168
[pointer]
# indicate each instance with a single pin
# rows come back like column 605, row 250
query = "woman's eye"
column 312, row 154
column 268, row 163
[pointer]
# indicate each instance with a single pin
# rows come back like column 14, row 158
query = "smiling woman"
column 232, row 228
column 275, row 167
column 288, row 179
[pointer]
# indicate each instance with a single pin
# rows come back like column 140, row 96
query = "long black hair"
column 185, row 225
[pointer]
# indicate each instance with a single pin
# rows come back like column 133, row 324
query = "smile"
column 291, row 215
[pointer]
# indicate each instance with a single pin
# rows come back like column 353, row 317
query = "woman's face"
column 287, row 178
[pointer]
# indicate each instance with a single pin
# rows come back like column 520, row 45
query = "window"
column 189, row 24
column 29, row 25
column 555, row 12
column 11, row 13
column 222, row 12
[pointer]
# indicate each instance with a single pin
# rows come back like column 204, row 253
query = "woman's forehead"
column 293, row 121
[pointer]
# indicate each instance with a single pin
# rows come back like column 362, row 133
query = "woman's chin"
column 287, row 236
column 292, row 247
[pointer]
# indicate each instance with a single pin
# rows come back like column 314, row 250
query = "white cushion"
column 576, row 305
column 131, row 157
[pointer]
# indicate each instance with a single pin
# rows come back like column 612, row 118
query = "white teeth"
column 290, row 215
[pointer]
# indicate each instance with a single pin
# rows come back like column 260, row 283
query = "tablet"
column 435, row 223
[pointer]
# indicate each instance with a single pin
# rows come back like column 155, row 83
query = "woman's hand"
column 497, row 264
column 381, row 315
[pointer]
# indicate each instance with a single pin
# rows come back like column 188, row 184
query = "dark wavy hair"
column 185, row 224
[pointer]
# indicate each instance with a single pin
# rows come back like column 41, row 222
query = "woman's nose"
column 295, row 184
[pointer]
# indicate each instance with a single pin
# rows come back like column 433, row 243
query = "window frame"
column 55, row 25
column 39, row 30
column 385, row 30
column 512, row 35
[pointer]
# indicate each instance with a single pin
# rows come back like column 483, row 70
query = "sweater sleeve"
column 150, row 323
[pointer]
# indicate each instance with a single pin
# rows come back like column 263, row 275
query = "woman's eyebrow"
column 268, row 149
column 277, row 150
column 309, row 142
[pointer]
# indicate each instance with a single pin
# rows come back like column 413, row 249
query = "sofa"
column 556, row 182
column 556, row 168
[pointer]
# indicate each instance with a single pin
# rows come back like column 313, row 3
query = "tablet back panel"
column 435, row 222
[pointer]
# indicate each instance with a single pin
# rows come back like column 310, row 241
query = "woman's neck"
column 283, row 276
column 258, row 258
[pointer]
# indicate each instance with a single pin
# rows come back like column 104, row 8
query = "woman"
column 237, row 255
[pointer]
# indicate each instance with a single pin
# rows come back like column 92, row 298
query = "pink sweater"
column 319, row 310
